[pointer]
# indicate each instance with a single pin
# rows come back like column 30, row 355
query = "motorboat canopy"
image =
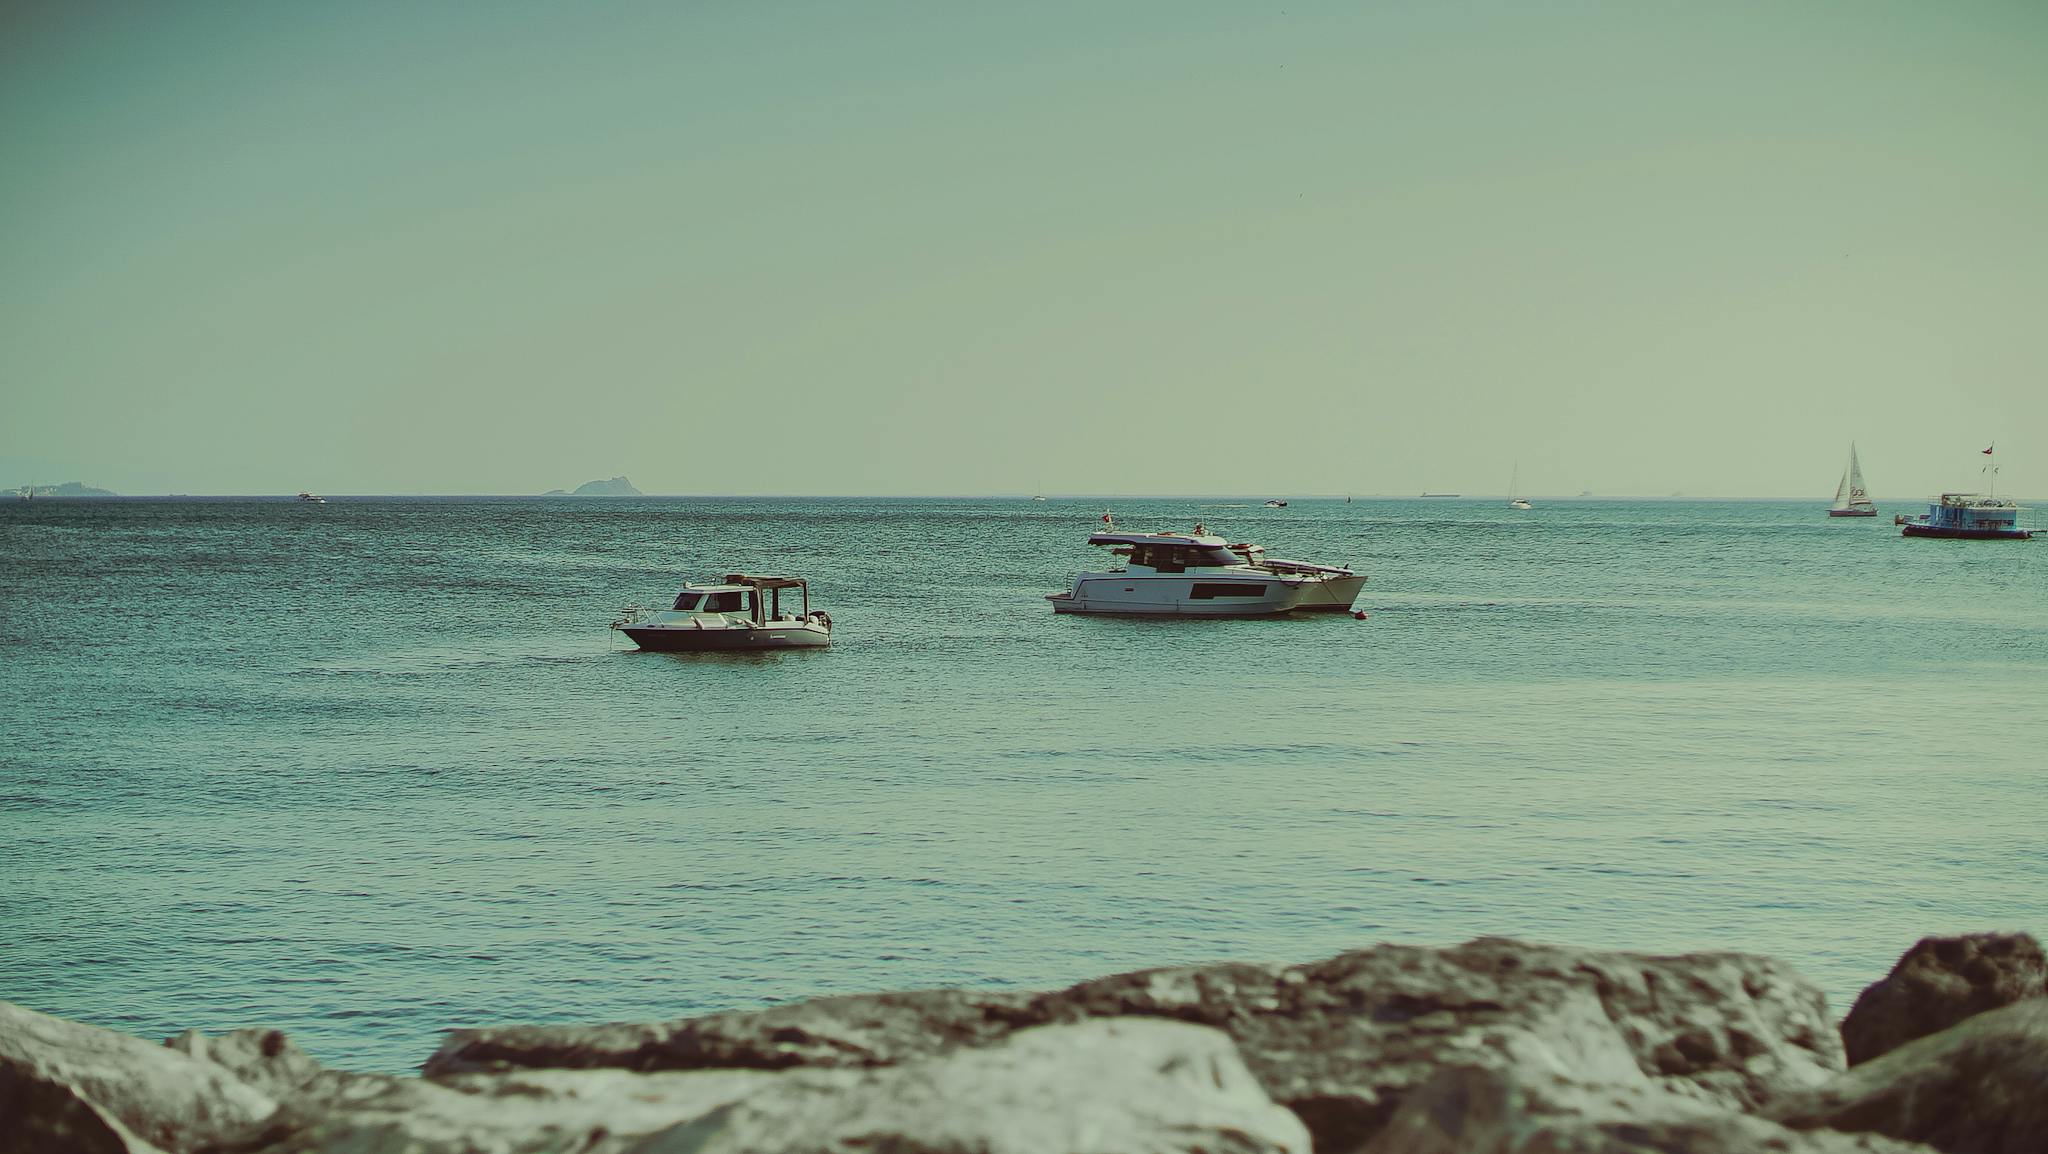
column 743, row 594
column 1170, row 552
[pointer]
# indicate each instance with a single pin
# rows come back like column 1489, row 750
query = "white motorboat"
column 312, row 498
column 1199, row 575
column 741, row 612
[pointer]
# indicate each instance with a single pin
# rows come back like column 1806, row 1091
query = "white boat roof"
column 1157, row 539
column 740, row 582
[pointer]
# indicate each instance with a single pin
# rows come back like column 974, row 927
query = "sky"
column 1636, row 247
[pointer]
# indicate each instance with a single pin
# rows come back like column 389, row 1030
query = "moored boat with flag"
column 1850, row 498
column 1970, row 516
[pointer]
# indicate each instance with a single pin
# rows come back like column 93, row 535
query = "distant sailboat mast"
column 1515, row 499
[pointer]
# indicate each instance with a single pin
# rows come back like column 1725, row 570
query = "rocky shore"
column 1494, row 1046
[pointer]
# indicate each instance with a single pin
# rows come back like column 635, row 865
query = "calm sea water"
column 369, row 770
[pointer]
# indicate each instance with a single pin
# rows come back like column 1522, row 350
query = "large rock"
column 1112, row 1086
column 264, row 1059
column 861, row 1030
column 1339, row 1041
column 1980, row 1087
column 39, row 1114
column 1939, row 982
column 1126, row 1085
column 524, row 1112
column 165, row 1098
column 1471, row 1110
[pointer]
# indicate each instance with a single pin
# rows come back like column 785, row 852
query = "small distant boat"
column 1514, row 483
column 1038, row 498
column 1850, row 499
column 312, row 498
column 1276, row 504
column 1441, row 494
column 740, row 613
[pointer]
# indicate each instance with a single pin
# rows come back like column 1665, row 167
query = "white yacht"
column 1198, row 575
column 741, row 612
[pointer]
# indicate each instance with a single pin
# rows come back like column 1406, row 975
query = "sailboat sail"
column 1850, row 498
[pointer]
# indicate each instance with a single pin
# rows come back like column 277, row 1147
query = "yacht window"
column 1165, row 558
column 732, row 601
column 687, row 601
column 1208, row 590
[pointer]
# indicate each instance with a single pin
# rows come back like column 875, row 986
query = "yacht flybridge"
column 1198, row 575
column 741, row 612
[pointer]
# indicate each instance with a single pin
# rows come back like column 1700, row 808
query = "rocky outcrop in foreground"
column 1494, row 1046
column 1938, row 983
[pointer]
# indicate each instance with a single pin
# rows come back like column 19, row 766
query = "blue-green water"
column 372, row 769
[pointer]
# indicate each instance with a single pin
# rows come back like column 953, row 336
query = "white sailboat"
column 1850, row 498
column 1514, row 484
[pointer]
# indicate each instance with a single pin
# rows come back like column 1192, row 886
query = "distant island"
column 616, row 487
column 67, row 489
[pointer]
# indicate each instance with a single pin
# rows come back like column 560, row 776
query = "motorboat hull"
column 1852, row 512
column 1954, row 534
column 685, row 638
column 1333, row 595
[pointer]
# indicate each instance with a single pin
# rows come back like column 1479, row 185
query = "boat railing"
column 1275, row 565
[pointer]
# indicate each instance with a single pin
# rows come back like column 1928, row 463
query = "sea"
column 370, row 770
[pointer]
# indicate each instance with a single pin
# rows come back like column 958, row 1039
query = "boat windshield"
column 728, row 601
column 1176, row 558
column 686, row 601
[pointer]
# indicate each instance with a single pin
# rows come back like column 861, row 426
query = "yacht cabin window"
column 686, row 601
column 730, row 601
column 1179, row 558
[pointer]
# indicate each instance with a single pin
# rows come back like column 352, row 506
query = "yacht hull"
column 1331, row 596
column 1120, row 595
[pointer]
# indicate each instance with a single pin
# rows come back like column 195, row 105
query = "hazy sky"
column 1176, row 247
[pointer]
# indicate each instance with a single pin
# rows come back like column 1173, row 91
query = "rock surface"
column 165, row 1098
column 1490, row 1047
column 1114, row 1086
column 1337, row 1041
column 1470, row 1110
column 1139, row 1086
column 1980, row 1087
column 40, row 1113
column 1940, row 982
